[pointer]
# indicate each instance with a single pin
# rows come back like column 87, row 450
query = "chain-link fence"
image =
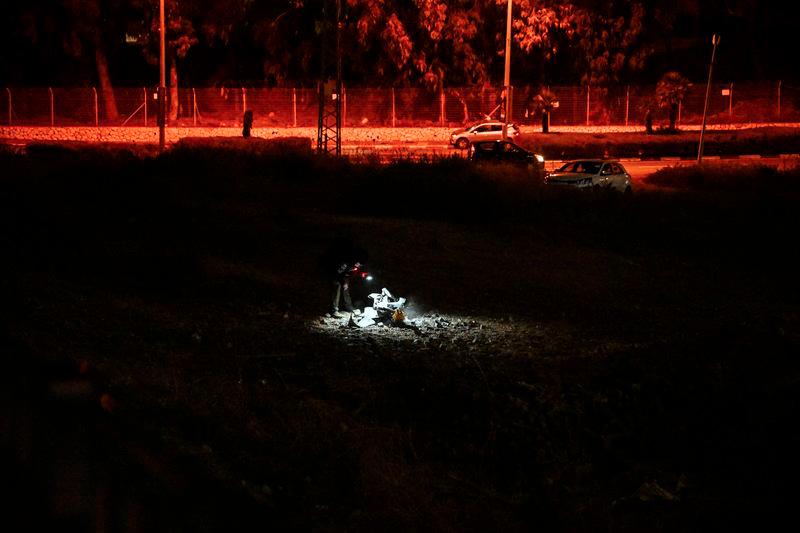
column 766, row 102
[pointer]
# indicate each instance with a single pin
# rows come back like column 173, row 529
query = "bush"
column 716, row 177
column 578, row 145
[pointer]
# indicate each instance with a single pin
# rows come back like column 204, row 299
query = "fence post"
column 627, row 104
column 96, row 109
column 294, row 107
column 8, row 90
column 730, row 103
column 510, row 111
column 144, row 91
column 194, row 107
column 588, row 102
column 441, row 106
column 394, row 115
column 779, row 100
column 52, row 107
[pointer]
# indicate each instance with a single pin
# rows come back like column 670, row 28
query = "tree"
column 433, row 43
column 86, row 22
column 82, row 33
column 187, row 22
column 670, row 91
column 602, row 39
column 545, row 102
column 425, row 42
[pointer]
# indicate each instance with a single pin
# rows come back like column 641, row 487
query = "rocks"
column 352, row 137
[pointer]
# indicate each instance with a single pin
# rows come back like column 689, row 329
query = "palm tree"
column 545, row 102
column 670, row 91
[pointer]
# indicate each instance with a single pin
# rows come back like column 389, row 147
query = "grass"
column 611, row 344
column 715, row 177
column 768, row 141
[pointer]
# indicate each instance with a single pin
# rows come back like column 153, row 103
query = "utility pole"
column 715, row 42
column 162, row 85
column 507, row 77
column 329, row 118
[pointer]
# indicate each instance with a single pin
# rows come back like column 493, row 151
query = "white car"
column 491, row 130
column 597, row 173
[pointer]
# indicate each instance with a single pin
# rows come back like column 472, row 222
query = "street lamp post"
column 162, row 85
column 507, row 77
column 715, row 42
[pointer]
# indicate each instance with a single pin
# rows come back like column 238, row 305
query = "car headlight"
column 539, row 158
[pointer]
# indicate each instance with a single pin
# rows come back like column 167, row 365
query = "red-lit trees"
column 187, row 22
column 603, row 39
column 427, row 42
column 85, row 28
column 670, row 91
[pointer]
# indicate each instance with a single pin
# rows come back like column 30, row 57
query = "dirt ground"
column 583, row 361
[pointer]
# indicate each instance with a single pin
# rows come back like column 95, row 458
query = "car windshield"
column 581, row 167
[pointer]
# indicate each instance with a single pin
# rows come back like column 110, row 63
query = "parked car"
column 592, row 173
column 491, row 130
column 506, row 152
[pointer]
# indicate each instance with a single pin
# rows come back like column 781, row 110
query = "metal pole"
column 341, row 99
column 162, row 87
column 96, row 110
column 507, row 73
column 779, row 101
column 8, row 90
column 194, row 107
column 294, row 107
column 441, row 107
column 394, row 115
column 627, row 104
column 52, row 107
column 144, row 91
column 715, row 41
column 730, row 102
column 588, row 102
column 344, row 105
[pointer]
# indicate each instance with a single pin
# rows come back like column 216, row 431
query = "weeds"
column 624, row 342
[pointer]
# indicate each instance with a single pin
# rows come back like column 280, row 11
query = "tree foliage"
column 422, row 43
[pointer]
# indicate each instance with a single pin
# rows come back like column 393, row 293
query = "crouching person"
column 341, row 291
column 342, row 264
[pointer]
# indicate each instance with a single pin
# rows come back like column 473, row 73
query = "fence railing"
column 285, row 107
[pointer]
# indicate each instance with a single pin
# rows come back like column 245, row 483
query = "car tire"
column 462, row 144
column 628, row 192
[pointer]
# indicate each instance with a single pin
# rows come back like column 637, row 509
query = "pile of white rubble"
column 386, row 310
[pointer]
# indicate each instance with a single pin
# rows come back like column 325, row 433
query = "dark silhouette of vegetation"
column 670, row 92
column 426, row 43
column 544, row 103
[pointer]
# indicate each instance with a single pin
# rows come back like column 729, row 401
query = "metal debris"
column 386, row 310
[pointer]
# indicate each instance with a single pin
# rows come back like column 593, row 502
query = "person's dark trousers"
column 341, row 291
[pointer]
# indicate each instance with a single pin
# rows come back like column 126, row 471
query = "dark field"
column 605, row 363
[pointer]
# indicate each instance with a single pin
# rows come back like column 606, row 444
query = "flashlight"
column 369, row 278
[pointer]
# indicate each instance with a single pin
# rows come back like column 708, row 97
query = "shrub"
column 744, row 178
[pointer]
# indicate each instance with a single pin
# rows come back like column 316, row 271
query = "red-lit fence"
column 282, row 107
